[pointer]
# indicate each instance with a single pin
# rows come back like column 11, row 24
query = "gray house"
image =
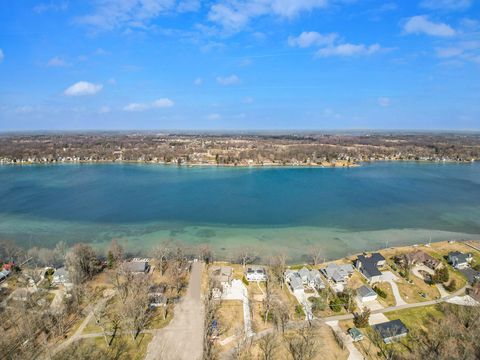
column 339, row 274
column 391, row 331
column 459, row 260
column 368, row 266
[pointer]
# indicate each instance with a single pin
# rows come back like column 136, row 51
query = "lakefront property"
column 239, row 305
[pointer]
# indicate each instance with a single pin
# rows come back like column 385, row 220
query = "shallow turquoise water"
column 271, row 209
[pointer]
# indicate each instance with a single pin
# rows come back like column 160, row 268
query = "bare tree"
column 277, row 269
column 211, row 306
column 302, row 344
column 82, row 263
column 247, row 256
column 134, row 308
column 315, row 255
column 161, row 254
column 59, row 253
column 115, row 253
column 268, row 346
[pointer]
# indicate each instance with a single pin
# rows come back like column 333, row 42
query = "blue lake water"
column 270, row 209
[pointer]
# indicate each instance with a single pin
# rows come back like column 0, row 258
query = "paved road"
column 182, row 339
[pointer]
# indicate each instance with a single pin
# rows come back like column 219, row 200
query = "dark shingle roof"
column 391, row 329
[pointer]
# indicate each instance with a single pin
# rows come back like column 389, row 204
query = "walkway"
column 416, row 271
column 182, row 339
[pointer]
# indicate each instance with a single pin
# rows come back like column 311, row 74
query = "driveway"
column 416, row 271
column 347, row 340
column 238, row 291
column 182, row 339
column 389, row 277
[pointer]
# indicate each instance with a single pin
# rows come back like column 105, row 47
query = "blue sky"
column 239, row 64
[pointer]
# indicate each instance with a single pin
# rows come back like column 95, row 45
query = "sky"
column 239, row 64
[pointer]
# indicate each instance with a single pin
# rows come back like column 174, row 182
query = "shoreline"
column 210, row 165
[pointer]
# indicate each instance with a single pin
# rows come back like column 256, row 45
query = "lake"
column 273, row 210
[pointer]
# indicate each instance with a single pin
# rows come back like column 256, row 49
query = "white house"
column 256, row 273
column 61, row 276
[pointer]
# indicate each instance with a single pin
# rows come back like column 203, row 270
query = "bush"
column 477, row 267
column 452, row 286
column 336, row 305
column 441, row 276
column 380, row 292
column 318, row 304
column 299, row 310
column 361, row 320
column 245, row 281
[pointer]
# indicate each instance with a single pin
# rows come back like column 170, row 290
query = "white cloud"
column 312, row 38
column 228, row 80
column 112, row 14
column 422, row 25
column 135, row 107
column 104, row 110
column 346, row 50
column 449, row 52
column 1, row 55
column 82, row 88
column 198, row 82
column 248, row 100
column 446, row 4
column 157, row 104
column 112, row 81
column 56, row 62
column 214, row 116
column 234, row 15
column 383, row 101
column 52, row 6
column 163, row 103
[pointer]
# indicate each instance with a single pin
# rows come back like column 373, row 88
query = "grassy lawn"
column 390, row 299
column 327, row 349
column 417, row 317
column 411, row 293
column 157, row 321
column 230, row 318
column 356, row 280
column 122, row 348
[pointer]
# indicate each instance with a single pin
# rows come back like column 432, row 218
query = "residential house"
column 156, row 295
column 459, row 260
column 294, row 281
column 368, row 266
column 314, row 280
column 256, row 273
column 304, row 272
column 137, row 266
column 4, row 274
column 223, row 275
column 366, row 293
column 472, row 275
column 355, row 334
column 391, row 331
column 61, row 276
column 420, row 257
column 339, row 274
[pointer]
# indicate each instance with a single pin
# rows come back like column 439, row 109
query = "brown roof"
column 422, row 257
